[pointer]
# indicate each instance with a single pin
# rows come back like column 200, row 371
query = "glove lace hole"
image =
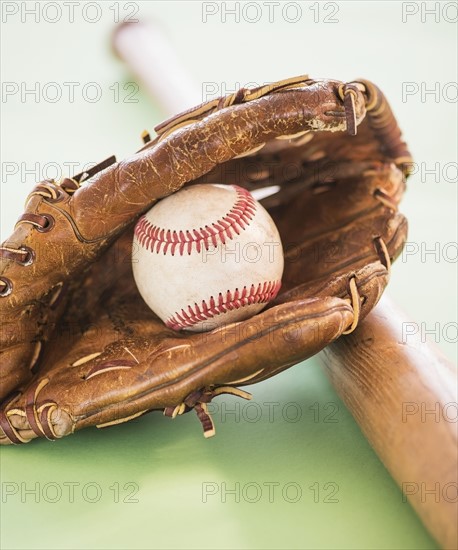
column 48, row 225
column 6, row 288
column 29, row 258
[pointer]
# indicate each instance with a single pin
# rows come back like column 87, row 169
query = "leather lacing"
column 52, row 192
column 198, row 401
column 355, row 299
column 38, row 417
column 348, row 94
column 23, row 255
column 385, row 199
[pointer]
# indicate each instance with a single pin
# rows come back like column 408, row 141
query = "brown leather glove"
column 78, row 345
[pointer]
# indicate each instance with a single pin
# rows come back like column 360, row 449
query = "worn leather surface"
column 78, row 345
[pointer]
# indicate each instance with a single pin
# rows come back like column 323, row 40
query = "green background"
column 308, row 450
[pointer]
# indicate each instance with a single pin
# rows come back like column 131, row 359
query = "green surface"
column 167, row 463
column 178, row 490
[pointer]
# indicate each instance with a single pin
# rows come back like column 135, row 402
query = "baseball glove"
column 78, row 345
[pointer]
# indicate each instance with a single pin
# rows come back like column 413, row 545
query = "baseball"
column 207, row 256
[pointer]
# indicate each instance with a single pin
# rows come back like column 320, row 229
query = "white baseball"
column 207, row 255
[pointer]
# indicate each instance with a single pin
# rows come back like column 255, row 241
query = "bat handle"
column 148, row 52
column 402, row 392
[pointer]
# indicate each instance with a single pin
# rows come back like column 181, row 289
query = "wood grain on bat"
column 402, row 393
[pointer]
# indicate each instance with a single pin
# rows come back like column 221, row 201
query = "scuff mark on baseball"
column 207, row 256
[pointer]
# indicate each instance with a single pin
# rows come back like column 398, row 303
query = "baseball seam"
column 224, row 302
column 157, row 239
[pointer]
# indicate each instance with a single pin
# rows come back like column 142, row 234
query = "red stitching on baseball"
column 158, row 240
column 263, row 293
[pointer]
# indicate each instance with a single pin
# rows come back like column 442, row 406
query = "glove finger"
column 131, row 377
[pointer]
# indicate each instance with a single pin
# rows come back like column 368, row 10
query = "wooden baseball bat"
column 401, row 393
